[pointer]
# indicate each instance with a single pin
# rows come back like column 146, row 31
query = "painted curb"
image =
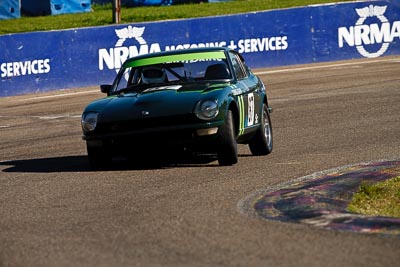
column 321, row 199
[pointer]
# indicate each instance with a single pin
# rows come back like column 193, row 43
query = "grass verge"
column 102, row 15
column 381, row 199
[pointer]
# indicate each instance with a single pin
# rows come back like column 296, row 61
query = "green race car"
column 179, row 103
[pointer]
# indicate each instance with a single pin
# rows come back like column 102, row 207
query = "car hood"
column 155, row 102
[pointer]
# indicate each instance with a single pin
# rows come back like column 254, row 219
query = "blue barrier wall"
column 44, row 61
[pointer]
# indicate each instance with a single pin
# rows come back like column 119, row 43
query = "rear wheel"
column 227, row 146
column 262, row 144
column 99, row 157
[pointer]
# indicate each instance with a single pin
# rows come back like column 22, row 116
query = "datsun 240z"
column 184, row 102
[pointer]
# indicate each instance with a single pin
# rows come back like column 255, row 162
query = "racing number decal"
column 241, row 115
column 250, row 109
column 243, row 121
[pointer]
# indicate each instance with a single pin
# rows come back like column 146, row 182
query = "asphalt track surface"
column 55, row 211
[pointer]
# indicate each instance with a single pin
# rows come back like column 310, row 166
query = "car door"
column 248, row 97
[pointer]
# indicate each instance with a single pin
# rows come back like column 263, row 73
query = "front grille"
column 146, row 124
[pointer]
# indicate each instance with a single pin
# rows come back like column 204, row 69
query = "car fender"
column 230, row 103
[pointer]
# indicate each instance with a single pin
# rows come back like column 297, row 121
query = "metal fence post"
column 117, row 11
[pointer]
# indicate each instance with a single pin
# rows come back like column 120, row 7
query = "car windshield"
column 140, row 74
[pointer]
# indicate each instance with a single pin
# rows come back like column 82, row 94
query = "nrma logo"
column 129, row 33
column 113, row 58
column 375, row 36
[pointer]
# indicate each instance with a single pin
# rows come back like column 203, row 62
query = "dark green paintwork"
column 165, row 102
column 175, row 104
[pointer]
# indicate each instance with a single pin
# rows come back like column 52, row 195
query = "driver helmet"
column 153, row 75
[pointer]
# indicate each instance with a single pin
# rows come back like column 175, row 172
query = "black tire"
column 262, row 142
column 227, row 146
column 99, row 157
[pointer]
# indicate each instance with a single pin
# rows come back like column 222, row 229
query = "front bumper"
column 196, row 137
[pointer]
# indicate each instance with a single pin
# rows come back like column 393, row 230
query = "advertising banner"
column 54, row 7
column 9, row 9
column 91, row 56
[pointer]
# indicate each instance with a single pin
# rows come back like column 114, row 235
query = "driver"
column 153, row 75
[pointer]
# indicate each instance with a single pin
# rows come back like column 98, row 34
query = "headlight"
column 207, row 109
column 89, row 121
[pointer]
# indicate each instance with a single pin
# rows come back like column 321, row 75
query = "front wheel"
column 227, row 146
column 262, row 144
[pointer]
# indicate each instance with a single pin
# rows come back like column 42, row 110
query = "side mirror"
column 105, row 88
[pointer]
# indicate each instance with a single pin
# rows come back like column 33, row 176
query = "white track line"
column 45, row 117
column 326, row 66
column 58, row 95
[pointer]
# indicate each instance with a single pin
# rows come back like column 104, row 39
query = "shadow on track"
column 56, row 164
column 81, row 164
